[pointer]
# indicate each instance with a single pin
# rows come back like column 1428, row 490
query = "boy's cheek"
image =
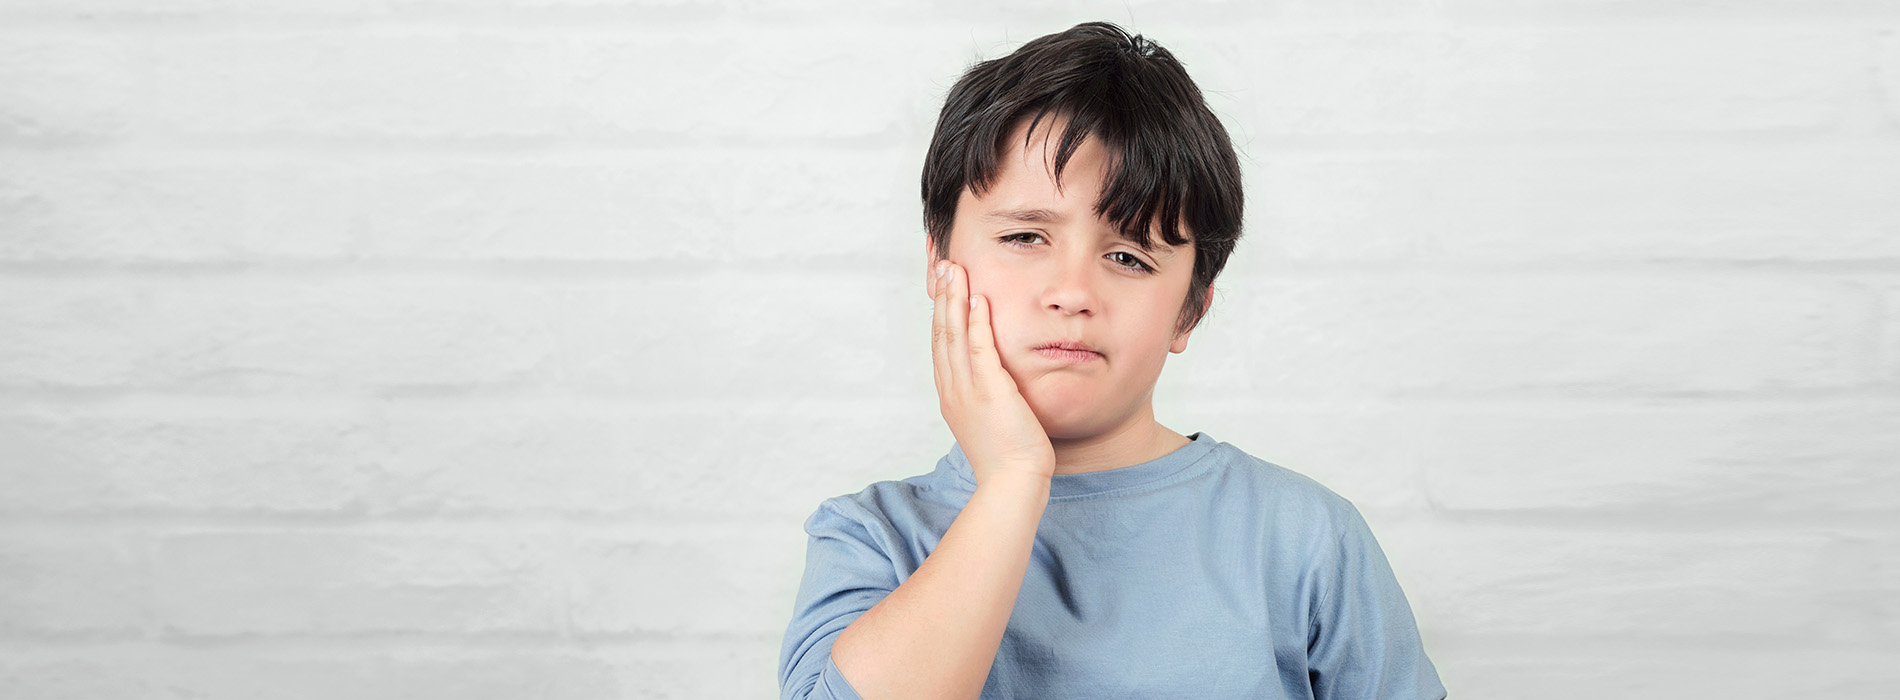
column 1001, row 330
column 1007, row 332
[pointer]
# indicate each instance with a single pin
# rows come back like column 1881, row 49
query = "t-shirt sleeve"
column 1364, row 642
column 845, row 574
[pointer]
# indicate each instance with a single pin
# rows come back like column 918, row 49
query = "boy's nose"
column 1071, row 290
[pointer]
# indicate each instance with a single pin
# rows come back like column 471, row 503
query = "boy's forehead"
column 1026, row 189
column 1035, row 153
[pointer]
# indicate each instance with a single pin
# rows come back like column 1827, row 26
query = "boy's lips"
column 1068, row 355
column 1068, row 345
column 1068, row 350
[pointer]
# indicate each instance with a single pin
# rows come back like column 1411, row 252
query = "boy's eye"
column 1019, row 240
column 1138, row 264
column 1016, row 238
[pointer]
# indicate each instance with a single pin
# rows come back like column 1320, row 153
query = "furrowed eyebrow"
column 1024, row 215
column 1036, row 216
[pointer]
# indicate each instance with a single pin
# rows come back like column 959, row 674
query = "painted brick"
column 388, row 673
column 60, row 583
column 424, row 457
column 458, row 84
column 343, row 9
column 372, row 669
column 1674, row 204
column 778, row 205
column 264, row 583
column 1582, row 334
column 467, row 84
column 61, row 87
column 628, row 586
column 162, row 461
column 1887, row 72
column 1145, row 13
column 1536, row 80
column 518, row 581
column 1886, row 358
column 1871, row 580
column 457, row 210
column 1335, row 208
column 861, row 208
column 226, row 332
column 1760, row 586
column 737, row 460
column 108, row 208
column 719, row 332
column 1651, row 673
column 1772, row 457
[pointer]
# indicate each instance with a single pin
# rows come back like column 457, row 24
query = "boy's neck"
column 1137, row 441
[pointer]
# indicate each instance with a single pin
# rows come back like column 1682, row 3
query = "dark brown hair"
column 1170, row 160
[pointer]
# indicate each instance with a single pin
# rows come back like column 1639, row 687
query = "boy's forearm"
column 936, row 635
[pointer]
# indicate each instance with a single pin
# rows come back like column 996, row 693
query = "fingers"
column 939, row 338
column 985, row 364
column 958, row 284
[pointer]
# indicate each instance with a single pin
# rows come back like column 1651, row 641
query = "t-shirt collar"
column 1097, row 482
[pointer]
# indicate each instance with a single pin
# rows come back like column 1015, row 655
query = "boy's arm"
column 936, row 636
column 857, row 634
column 1364, row 641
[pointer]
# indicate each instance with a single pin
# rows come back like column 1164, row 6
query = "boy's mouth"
column 1068, row 350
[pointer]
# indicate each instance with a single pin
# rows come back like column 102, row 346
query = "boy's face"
column 1069, row 277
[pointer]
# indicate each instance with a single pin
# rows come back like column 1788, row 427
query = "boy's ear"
column 1180, row 341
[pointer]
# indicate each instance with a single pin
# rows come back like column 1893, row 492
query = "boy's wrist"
column 1014, row 479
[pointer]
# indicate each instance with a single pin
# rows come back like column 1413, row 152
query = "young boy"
column 1069, row 546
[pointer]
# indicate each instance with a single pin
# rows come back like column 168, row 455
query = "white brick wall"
column 404, row 349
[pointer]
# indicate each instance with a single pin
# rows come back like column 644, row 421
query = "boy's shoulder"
column 1291, row 496
column 894, row 504
column 1285, row 481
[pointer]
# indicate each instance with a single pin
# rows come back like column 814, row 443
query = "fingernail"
column 972, row 301
column 942, row 267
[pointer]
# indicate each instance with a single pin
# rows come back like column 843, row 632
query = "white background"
column 418, row 349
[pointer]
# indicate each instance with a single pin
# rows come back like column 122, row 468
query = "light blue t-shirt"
column 1206, row 573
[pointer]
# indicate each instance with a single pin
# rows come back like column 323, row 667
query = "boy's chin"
column 1076, row 429
column 1068, row 416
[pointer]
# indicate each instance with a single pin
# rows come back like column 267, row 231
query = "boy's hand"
column 986, row 412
